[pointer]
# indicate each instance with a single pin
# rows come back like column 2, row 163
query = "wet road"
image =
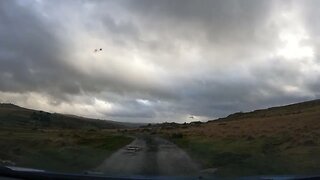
column 156, row 156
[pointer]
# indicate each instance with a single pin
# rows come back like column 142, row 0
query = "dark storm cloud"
column 30, row 52
column 223, row 23
column 161, row 60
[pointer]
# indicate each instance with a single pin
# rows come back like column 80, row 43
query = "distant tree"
column 41, row 118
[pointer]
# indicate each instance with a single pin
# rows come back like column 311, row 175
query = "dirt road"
column 152, row 156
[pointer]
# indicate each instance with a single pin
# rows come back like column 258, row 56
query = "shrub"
column 177, row 135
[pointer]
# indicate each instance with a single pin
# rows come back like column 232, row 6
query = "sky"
column 162, row 60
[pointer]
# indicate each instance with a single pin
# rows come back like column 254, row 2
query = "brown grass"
column 302, row 125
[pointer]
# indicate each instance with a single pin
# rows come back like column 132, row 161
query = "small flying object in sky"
column 96, row 50
column 191, row 117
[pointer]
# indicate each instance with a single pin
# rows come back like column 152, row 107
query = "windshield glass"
column 174, row 88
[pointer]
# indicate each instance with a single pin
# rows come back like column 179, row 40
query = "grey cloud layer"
column 161, row 60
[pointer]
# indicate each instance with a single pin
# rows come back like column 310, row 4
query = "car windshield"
column 160, row 88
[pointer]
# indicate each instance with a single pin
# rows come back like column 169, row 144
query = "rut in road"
column 156, row 156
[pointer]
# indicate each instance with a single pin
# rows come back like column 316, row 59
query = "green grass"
column 59, row 150
column 258, row 156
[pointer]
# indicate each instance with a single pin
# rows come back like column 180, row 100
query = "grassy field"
column 58, row 150
column 242, row 157
column 284, row 140
column 280, row 140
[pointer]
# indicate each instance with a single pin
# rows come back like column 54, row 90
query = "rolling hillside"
column 15, row 116
column 277, row 140
column 297, row 108
column 56, row 142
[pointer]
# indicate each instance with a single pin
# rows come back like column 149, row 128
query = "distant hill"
column 15, row 116
column 294, row 120
column 297, row 108
column 302, row 113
